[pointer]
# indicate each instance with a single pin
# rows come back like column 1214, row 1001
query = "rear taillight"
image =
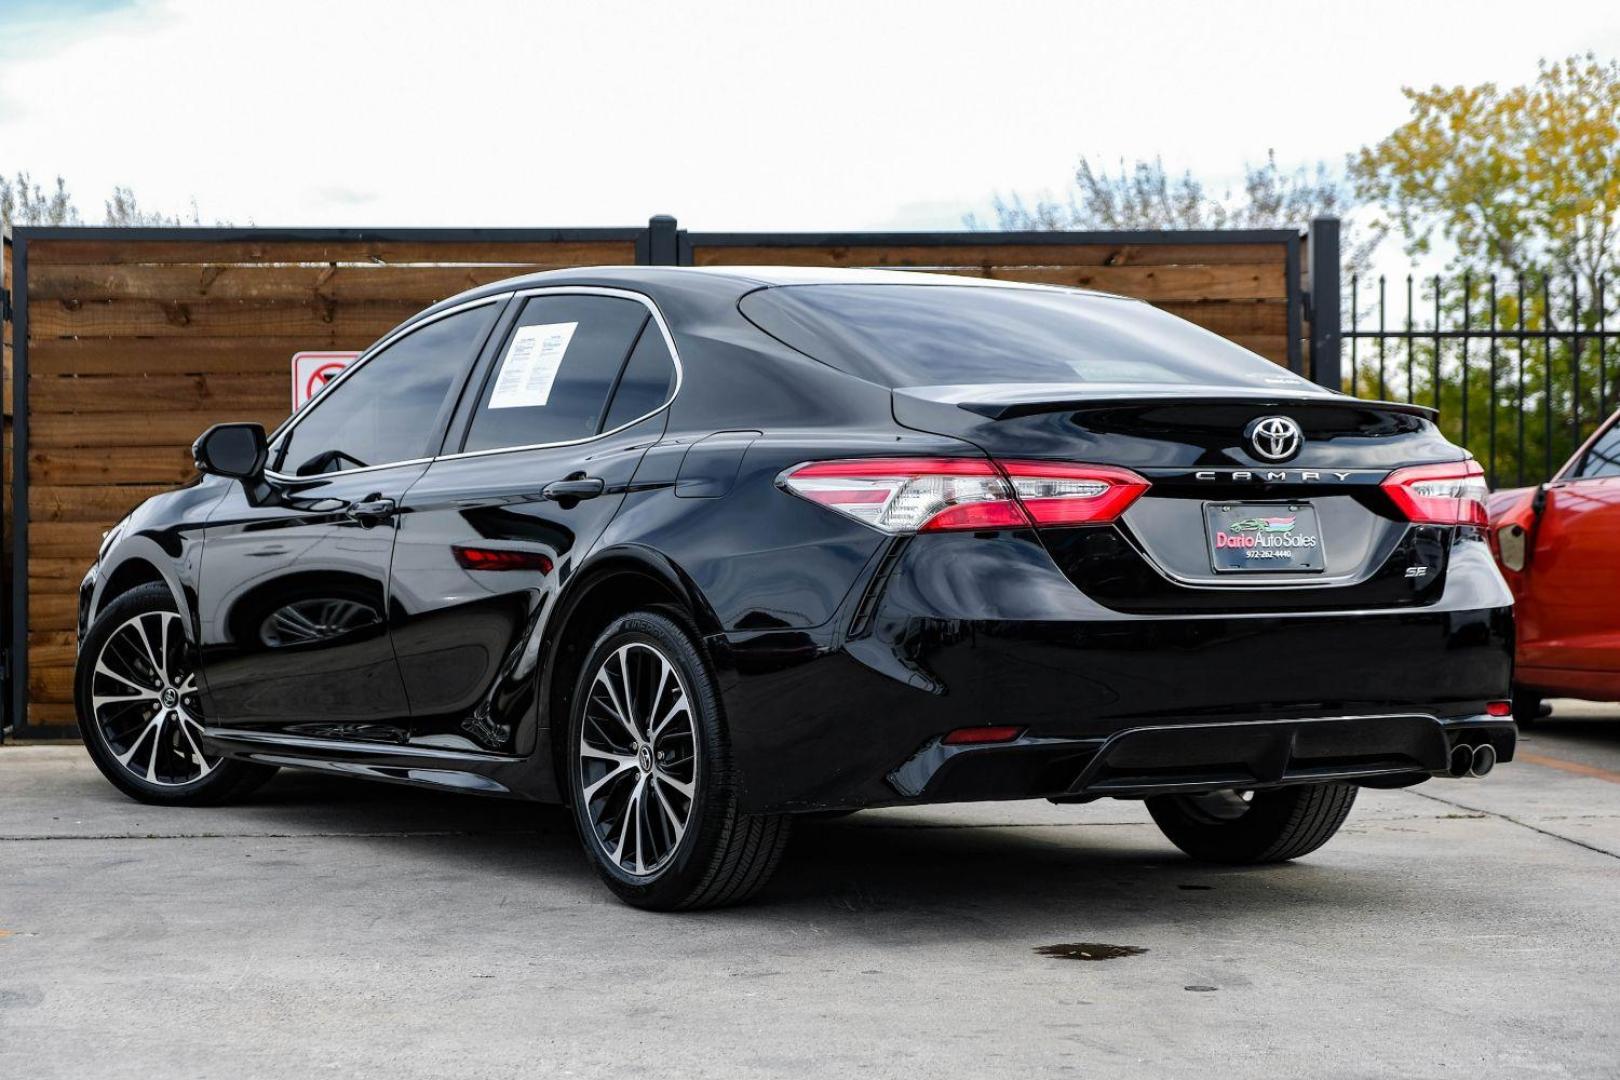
column 1449, row 494
column 900, row 495
column 1057, row 494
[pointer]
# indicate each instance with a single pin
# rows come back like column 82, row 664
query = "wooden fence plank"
column 519, row 253
column 422, row 285
column 323, row 323
column 62, row 574
column 51, row 715
column 177, row 355
column 117, row 465
column 76, row 540
column 426, row 285
column 1273, row 347
column 161, row 428
column 1232, row 317
column 54, row 502
column 48, row 682
column 1242, row 281
column 997, row 255
column 53, row 648
column 53, row 611
column 170, row 393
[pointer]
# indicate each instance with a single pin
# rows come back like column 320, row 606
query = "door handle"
column 575, row 487
column 371, row 510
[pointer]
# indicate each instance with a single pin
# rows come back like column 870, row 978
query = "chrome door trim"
column 547, row 290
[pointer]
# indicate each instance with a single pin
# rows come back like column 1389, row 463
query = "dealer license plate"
column 1276, row 537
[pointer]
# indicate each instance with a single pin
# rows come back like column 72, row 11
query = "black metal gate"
column 1521, row 366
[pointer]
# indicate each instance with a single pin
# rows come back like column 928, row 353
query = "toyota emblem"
column 1275, row 438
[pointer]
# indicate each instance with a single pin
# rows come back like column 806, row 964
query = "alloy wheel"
column 143, row 696
column 638, row 759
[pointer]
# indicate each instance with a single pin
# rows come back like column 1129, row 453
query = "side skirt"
column 482, row 774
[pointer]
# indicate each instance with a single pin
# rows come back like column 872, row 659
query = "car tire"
column 1528, row 706
column 1255, row 827
column 654, row 792
column 135, row 693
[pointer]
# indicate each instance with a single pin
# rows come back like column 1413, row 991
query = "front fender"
column 161, row 539
column 128, row 554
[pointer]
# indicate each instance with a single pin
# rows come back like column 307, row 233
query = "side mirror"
column 234, row 450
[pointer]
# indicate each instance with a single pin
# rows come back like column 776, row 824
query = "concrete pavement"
column 343, row 928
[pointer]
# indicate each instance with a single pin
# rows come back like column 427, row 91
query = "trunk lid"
column 1193, row 444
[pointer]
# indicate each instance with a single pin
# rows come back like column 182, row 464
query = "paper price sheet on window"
column 530, row 366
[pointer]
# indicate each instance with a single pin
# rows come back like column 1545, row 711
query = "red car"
column 1559, row 547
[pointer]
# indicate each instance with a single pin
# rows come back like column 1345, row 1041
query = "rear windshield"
column 939, row 335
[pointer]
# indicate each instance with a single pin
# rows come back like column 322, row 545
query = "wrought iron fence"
column 1521, row 366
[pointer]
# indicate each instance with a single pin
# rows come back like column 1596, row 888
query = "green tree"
column 1521, row 179
column 1523, row 185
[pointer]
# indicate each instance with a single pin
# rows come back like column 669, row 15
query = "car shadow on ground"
column 940, row 874
column 1599, row 730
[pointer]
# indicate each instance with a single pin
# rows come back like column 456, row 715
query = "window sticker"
column 530, row 365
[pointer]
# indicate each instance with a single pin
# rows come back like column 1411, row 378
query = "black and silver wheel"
column 650, row 775
column 1274, row 825
column 136, row 696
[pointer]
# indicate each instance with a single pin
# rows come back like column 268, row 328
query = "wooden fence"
column 134, row 341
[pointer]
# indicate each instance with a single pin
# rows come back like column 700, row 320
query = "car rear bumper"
column 1168, row 758
column 987, row 632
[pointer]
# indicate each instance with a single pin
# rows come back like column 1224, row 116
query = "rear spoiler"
column 1002, row 401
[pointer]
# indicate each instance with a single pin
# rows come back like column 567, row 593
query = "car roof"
column 731, row 282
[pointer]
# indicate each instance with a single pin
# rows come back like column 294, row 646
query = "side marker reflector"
column 974, row 735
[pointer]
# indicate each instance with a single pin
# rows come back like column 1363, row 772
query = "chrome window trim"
column 286, row 427
column 546, row 290
column 590, row 290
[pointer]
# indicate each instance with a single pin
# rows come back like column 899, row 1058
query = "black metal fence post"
column 663, row 241
column 6, row 624
column 1326, row 358
column 17, row 668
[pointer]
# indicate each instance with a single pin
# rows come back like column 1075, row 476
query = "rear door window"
column 647, row 382
column 554, row 373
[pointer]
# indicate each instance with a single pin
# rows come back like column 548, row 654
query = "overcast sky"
column 759, row 114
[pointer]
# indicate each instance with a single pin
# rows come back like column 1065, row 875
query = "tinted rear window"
column 940, row 335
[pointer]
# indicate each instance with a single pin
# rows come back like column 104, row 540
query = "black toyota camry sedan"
column 698, row 551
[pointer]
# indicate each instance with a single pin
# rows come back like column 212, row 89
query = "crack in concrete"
column 1515, row 821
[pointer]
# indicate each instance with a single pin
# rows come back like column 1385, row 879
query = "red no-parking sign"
column 311, row 371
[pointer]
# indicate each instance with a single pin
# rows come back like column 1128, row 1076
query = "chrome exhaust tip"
column 1483, row 760
column 1462, row 760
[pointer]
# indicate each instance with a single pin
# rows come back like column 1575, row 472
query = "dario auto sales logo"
column 1263, row 532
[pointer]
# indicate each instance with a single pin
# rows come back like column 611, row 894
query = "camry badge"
column 1275, row 438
